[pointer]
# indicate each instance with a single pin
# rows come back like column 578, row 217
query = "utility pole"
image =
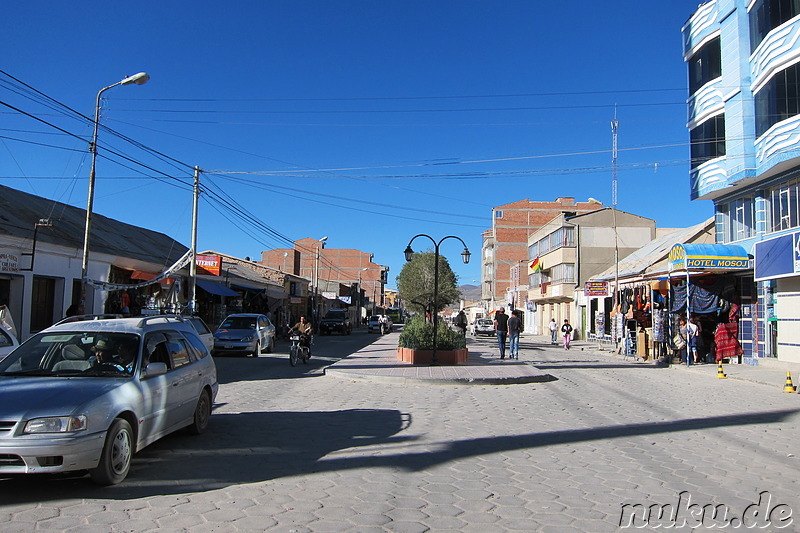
column 193, row 263
column 614, row 129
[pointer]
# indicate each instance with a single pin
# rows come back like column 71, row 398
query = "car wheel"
column 115, row 460
column 271, row 345
column 202, row 413
column 257, row 350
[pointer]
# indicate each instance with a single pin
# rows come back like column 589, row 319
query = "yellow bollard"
column 720, row 373
column 789, row 387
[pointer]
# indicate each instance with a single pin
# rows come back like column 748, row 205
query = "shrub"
column 418, row 335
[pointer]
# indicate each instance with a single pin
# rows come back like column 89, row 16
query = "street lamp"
column 409, row 253
column 137, row 79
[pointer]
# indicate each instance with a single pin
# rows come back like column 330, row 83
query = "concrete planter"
column 423, row 357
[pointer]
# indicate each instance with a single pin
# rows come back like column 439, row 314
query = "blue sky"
column 364, row 121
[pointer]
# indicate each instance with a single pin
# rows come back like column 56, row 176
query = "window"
column 784, row 210
column 564, row 236
column 178, row 351
column 705, row 65
column 766, row 15
column 563, row 273
column 708, row 140
column 498, row 214
column 778, row 100
column 737, row 219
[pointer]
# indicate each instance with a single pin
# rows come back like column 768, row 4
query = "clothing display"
column 726, row 337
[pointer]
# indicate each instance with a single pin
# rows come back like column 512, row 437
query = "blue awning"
column 213, row 287
column 699, row 257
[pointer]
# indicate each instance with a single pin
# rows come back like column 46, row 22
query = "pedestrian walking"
column 566, row 331
column 461, row 322
column 553, row 331
column 514, row 328
column 501, row 327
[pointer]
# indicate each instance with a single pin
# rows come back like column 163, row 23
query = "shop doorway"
column 42, row 303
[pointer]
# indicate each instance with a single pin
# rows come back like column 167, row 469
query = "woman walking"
column 566, row 331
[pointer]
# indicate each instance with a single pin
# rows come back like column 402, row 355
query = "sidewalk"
column 378, row 363
column 769, row 371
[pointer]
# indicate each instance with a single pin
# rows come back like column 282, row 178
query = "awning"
column 703, row 257
column 247, row 287
column 213, row 287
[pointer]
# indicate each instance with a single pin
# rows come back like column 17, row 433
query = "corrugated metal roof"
column 653, row 252
column 19, row 211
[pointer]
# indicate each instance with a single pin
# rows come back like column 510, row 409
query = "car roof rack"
column 83, row 318
column 164, row 318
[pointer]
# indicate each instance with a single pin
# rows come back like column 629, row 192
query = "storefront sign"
column 708, row 257
column 778, row 257
column 595, row 288
column 209, row 264
column 9, row 262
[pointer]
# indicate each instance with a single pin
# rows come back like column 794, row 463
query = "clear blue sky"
column 364, row 121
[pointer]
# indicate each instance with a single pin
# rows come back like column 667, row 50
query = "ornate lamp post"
column 137, row 79
column 465, row 255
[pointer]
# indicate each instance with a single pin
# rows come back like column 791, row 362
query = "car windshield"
column 485, row 322
column 239, row 322
column 90, row 354
column 335, row 314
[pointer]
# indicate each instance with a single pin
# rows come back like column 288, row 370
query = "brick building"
column 506, row 244
column 343, row 265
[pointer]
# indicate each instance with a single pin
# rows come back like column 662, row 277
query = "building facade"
column 310, row 259
column 743, row 58
column 568, row 251
column 505, row 246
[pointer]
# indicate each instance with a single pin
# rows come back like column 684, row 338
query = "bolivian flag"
column 536, row 266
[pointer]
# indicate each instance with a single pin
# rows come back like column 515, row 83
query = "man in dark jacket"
column 501, row 327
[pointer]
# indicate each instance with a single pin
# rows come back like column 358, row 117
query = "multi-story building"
column 744, row 123
column 310, row 259
column 506, row 244
column 570, row 249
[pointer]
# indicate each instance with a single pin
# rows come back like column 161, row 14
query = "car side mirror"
column 155, row 369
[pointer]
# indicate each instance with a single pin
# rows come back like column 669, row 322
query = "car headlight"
column 56, row 424
column 247, row 339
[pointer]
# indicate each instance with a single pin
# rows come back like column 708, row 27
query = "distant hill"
column 470, row 292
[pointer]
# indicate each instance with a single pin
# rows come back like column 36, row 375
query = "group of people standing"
column 508, row 327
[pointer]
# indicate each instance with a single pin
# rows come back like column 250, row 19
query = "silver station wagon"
column 88, row 393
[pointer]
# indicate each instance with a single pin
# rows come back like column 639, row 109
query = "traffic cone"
column 720, row 373
column 789, row 387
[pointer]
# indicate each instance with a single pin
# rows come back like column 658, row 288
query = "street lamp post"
column 137, row 79
column 409, row 253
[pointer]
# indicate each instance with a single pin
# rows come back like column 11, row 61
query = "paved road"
column 293, row 450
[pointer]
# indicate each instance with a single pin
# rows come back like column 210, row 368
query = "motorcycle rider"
column 305, row 330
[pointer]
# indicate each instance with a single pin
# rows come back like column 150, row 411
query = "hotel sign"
column 708, row 257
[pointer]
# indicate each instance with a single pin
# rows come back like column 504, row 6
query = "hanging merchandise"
column 658, row 326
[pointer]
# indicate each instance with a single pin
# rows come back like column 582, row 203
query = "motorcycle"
column 298, row 352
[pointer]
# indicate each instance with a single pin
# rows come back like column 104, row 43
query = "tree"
column 415, row 283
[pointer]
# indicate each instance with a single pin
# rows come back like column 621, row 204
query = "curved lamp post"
column 410, row 253
column 137, row 79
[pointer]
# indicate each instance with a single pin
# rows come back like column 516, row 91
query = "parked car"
column 88, row 394
column 244, row 333
column 483, row 326
column 203, row 331
column 7, row 342
column 336, row 320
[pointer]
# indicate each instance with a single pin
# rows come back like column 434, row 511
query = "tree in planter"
column 415, row 283
column 418, row 335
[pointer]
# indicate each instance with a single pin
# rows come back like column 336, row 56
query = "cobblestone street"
column 290, row 449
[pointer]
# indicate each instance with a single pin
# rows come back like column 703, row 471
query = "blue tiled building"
column 743, row 58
